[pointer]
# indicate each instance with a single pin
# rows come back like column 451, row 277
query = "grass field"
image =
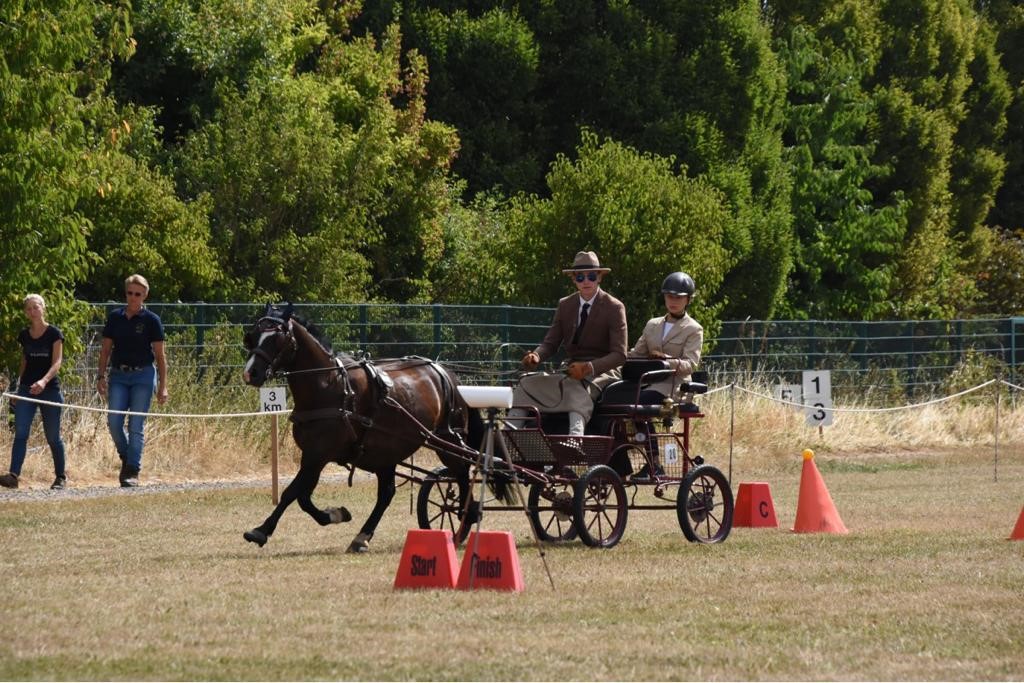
column 162, row 586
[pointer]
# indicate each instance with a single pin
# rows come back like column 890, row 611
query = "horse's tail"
column 475, row 428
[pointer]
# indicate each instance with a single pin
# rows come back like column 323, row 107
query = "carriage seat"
column 620, row 397
column 637, row 375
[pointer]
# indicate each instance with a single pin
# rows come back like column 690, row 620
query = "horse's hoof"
column 339, row 515
column 255, row 536
column 358, row 547
column 361, row 543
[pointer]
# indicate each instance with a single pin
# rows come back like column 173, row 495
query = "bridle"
column 274, row 364
column 271, row 324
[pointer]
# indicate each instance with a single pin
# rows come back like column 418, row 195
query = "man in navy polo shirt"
column 133, row 338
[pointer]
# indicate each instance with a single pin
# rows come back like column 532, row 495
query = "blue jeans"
column 24, row 414
column 132, row 391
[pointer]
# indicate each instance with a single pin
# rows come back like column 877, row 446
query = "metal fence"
column 920, row 357
column 913, row 358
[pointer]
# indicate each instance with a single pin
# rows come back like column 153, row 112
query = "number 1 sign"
column 817, row 386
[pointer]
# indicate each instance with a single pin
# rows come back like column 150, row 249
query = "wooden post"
column 273, row 400
column 273, row 458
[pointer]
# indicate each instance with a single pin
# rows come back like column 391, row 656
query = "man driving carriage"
column 591, row 326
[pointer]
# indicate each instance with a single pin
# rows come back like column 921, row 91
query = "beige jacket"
column 681, row 345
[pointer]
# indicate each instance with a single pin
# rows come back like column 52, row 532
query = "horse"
column 359, row 414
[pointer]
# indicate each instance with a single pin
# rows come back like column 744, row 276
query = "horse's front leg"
column 299, row 486
column 385, row 492
column 326, row 516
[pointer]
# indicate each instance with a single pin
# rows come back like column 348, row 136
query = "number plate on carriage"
column 671, row 453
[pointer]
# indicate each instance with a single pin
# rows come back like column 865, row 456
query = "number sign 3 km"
column 817, row 386
column 273, row 399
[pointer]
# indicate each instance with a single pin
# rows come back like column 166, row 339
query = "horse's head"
column 270, row 344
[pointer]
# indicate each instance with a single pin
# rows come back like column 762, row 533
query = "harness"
column 379, row 384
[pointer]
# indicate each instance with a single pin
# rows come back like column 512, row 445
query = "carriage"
column 584, row 486
column 374, row 416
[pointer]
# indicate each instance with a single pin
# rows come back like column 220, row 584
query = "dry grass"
column 162, row 586
column 766, row 436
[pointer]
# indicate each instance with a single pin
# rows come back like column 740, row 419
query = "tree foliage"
column 812, row 158
column 847, row 240
column 644, row 220
column 54, row 64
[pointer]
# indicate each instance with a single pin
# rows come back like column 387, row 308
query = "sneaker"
column 9, row 480
column 645, row 473
column 59, row 483
column 130, row 479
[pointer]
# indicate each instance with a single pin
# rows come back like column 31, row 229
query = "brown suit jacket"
column 602, row 340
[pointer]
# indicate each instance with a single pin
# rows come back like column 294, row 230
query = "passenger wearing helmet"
column 674, row 337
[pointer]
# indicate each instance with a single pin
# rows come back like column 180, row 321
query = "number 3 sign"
column 817, row 385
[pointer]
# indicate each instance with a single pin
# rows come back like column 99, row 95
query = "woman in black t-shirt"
column 42, row 347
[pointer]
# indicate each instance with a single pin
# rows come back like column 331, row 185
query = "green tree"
column 1000, row 279
column 644, row 219
column 54, row 65
column 483, row 74
column 185, row 49
column 1007, row 19
column 694, row 80
column 320, row 187
column 847, row 241
column 921, row 82
column 140, row 223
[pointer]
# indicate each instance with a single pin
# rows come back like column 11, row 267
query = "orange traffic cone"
column 815, row 511
column 754, row 506
column 428, row 560
column 491, row 562
column 1018, row 531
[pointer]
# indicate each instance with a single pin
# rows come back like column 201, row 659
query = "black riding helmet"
column 679, row 283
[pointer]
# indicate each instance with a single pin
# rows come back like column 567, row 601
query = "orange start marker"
column 493, row 565
column 1018, row 531
column 815, row 511
column 754, row 506
column 428, row 560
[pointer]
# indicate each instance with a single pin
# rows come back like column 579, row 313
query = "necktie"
column 583, row 320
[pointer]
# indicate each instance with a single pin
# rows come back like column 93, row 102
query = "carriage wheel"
column 599, row 507
column 552, row 524
column 437, row 505
column 704, row 505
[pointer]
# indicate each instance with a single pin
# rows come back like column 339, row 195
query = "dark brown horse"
column 354, row 413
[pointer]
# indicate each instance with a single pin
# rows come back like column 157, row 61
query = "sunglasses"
column 133, row 293
column 580, row 277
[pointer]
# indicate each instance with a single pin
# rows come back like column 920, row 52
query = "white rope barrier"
column 1012, row 386
column 709, row 392
column 130, row 412
column 868, row 410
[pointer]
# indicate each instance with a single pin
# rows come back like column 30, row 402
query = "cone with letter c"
column 815, row 511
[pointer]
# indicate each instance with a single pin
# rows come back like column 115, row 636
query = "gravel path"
column 42, row 493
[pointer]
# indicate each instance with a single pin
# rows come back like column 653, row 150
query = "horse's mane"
column 285, row 312
column 315, row 332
